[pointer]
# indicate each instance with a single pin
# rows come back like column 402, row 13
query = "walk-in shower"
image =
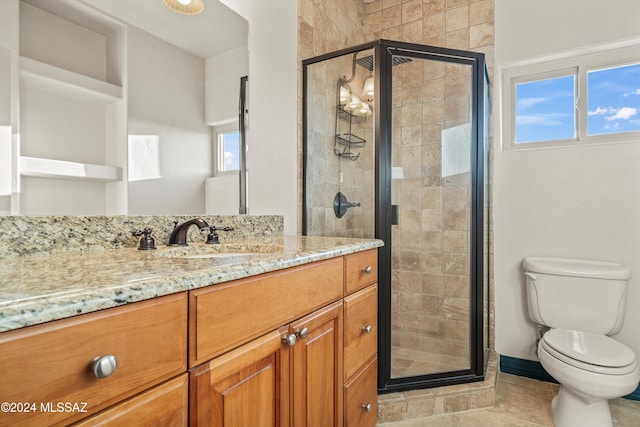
column 396, row 147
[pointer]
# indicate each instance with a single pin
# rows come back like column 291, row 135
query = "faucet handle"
column 213, row 238
column 147, row 243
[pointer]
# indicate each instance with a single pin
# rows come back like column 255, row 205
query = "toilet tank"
column 579, row 294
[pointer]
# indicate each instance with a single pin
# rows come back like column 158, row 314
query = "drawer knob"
column 366, row 407
column 302, row 333
column 290, row 339
column 367, row 270
column 367, row 329
column 103, row 366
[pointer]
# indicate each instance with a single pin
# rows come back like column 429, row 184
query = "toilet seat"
column 591, row 352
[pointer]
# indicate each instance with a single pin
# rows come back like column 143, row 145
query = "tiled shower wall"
column 328, row 173
column 430, row 274
column 435, row 275
column 326, row 26
column 430, row 261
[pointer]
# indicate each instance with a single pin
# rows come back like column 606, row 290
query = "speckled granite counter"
column 37, row 289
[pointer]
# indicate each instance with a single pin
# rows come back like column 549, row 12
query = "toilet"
column 581, row 303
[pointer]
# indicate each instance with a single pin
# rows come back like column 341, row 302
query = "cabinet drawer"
column 164, row 405
column 50, row 363
column 361, row 397
column 361, row 328
column 224, row 316
column 361, row 269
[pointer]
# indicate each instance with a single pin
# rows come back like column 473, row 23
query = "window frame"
column 218, row 151
column 583, row 62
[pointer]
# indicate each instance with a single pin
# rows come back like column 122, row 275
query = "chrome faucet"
column 179, row 234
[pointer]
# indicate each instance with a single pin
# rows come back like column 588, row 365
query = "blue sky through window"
column 545, row 108
column 231, row 150
column 614, row 100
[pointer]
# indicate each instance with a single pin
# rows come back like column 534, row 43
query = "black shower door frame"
column 384, row 50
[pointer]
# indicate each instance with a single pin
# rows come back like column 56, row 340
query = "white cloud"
column 538, row 119
column 228, row 158
column 599, row 110
column 529, row 102
column 624, row 113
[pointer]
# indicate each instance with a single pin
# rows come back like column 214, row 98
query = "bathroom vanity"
column 184, row 336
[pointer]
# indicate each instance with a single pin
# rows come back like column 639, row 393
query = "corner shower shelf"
column 60, row 169
column 347, row 141
column 49, row 78
column 348, row 117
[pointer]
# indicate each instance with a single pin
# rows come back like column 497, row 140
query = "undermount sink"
column 225, row 250
column 219, row 255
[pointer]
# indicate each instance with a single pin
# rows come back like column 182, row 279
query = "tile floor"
column 520, row 402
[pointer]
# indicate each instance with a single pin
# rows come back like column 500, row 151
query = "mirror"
column 175, row 80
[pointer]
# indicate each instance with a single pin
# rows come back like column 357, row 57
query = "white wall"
column 223, row 73
column 166, row 98
column 575, row 202
column 272, row 160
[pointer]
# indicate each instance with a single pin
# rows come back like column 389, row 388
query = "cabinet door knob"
column 302, row 333
column 367, row 270
column 103, row 366
column 367, row 329
column 366, row 407
column 290, row 339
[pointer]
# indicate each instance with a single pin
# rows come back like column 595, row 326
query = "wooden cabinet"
column 361, row 329
column 360, row 270
column 291, row 376
column 248, row 386
column 227, row 315
column 361, row 397
column 361, row 339
column 316, row 363
column 306, row 358
column 164, row 405
column 50, row 364
column 290, row 348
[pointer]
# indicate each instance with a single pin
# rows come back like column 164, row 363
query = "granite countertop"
column 38, row 289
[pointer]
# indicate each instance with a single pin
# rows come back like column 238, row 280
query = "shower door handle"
column 394, row 215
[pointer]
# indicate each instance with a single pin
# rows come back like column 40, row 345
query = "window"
column 592, row 98
column 545, row 109
column 613, row 100
column 227, row 149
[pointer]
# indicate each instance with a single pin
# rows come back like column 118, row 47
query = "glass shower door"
column 431, row 185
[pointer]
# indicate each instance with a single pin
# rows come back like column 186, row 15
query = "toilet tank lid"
column 577, row 267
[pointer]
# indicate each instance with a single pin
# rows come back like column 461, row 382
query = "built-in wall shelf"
column 60, row 169
column 49, row 78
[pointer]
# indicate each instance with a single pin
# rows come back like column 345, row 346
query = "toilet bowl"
column 582, row 303
column 591, row 369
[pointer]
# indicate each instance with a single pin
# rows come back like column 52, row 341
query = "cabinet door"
column 164, row 405
column 246, row 387
column 317, row 369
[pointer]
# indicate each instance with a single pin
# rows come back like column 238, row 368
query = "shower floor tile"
column 406, row 362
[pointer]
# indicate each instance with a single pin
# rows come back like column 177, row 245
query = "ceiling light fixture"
column 185, row 7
